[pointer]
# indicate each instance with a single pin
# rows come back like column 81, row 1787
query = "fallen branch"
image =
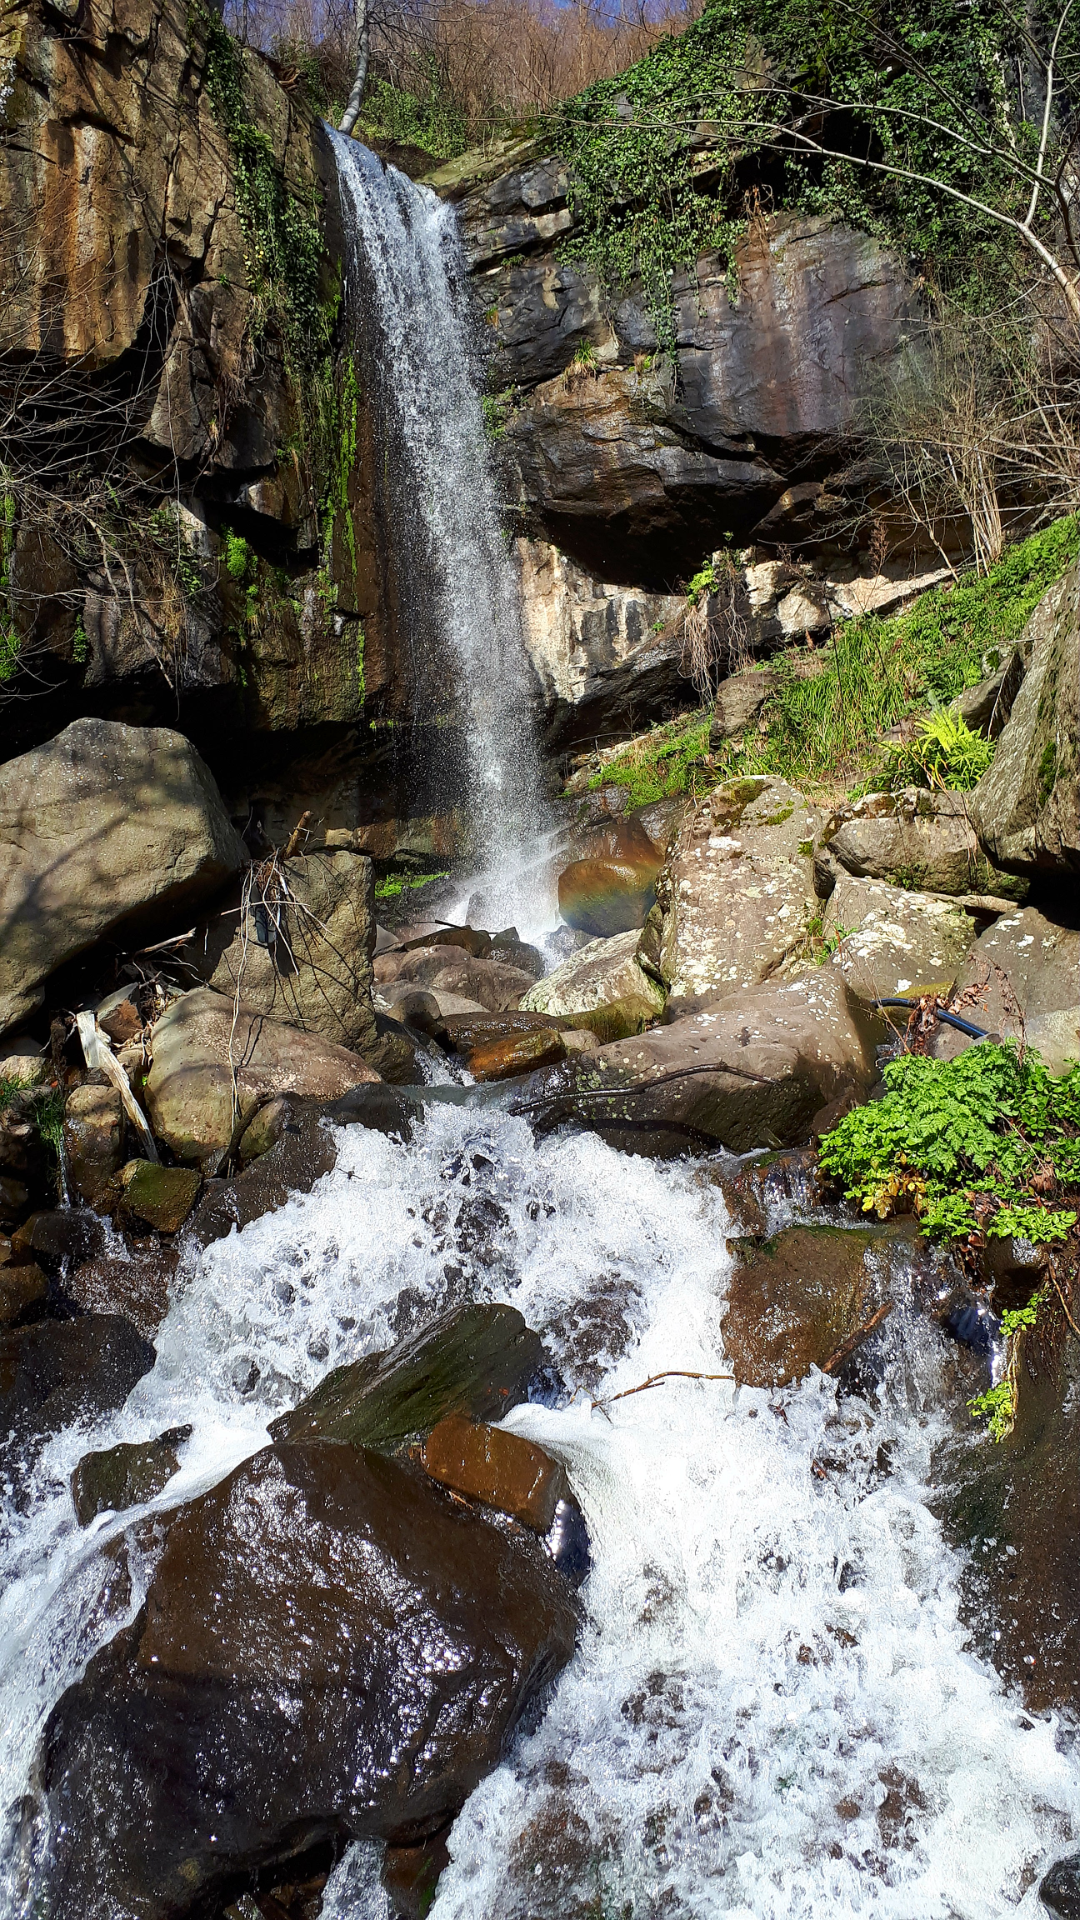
column 99, row 1056
column 654, row 1379
column 855, row 1340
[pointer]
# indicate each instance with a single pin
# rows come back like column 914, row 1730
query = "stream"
column 771, row 1712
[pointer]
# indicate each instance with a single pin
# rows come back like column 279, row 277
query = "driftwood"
column 99, row 1056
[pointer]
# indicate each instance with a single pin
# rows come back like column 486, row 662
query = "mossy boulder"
column 475, row 1361
column 125, row 1476
column 154, row 1196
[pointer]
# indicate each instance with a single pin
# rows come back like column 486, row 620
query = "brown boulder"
column 497, row 1468
column 516, row 1054
column 449, row 969
column 747, row 1070
column 134, row 1284
column 1022, row 979
column 23, row 1293
column 330, row 1648
column 60, row 1371
column 612, row 887
column 306, row 958
column 93, row 1138
column 102, row 826
column 124, row 1476
column 213, row 1065
column 797, row 1300
column 155, row 1196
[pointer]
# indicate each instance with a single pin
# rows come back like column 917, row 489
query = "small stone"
column 518, row 1053
column 497, row 1468
column 160, row 1197
column 93, row 1138
column 125, row 1476
column 121, row 1024
column 265, row 1130
column 580, row 1040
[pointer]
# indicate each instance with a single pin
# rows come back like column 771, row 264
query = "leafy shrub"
column 944, row 753
column 963, row 1143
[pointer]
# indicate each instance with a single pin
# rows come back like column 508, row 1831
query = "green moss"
column 285, row 252
column 393, row 884
column 667, row 761
column 1047, row 772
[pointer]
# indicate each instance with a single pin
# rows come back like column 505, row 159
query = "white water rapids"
column 771, row 1713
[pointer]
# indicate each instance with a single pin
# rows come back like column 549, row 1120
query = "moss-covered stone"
column 160, row 1197
column 124, row 1476
column 474, row 1360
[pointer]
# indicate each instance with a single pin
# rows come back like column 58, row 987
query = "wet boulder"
column 740, row 887
column 919, row 839
column 302, row 951
column 612, row 888
column 1014, row 1508
column 802, row 1298
column 124, row 1476
column 1026, row 809
column 59, row 1237
column 24, row 1291
column 214, row 1065
column 1059, row 1890
column 299, row 1150
column 746, row 1070
column 149, row 1195
column 104, row 826
column 59, row 1371
column 475, row 1361
column 134, row 1284
column 330, row 1648
column 497, row 1468
column 888, row 941
column 603, row 987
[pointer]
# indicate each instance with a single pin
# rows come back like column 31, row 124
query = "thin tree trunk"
column 363, row 38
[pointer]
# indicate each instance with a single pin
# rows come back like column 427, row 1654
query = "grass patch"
column 829, row 708
column 669, row 760
column 394, row 884
column 981, row 1145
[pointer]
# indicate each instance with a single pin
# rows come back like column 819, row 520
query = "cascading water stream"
column 454, row 585
column 772, row 1714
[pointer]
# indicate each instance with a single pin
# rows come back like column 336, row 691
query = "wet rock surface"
column 124, row 1476
column 499, row 1469
column 134, row 1284
column 796, row 1301
column 330, row 1647
column 58, row 1372
column 475, row 1361
column 612, row 887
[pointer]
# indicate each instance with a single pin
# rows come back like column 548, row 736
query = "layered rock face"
column 134, row 296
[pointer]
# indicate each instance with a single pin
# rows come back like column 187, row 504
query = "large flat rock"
column 740, row 886
column 891, row 941
column 102, row 826
column 747, row 1070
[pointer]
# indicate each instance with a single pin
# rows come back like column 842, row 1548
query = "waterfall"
column 453, row 583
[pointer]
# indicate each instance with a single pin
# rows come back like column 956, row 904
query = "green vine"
column 285, row 251
column 670, row 159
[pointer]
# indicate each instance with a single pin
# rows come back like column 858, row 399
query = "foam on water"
column 771, row 1712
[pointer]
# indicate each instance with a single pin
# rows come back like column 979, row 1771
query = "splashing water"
column 772, row 1714
column 456, row 591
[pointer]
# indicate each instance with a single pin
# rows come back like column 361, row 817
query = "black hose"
column 951, row 1019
